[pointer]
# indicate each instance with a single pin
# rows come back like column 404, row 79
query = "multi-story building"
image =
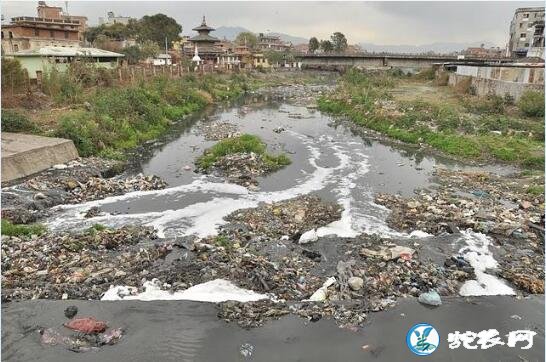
column 112, row 19
column 271, row 42
column 525, row 31
column 50, row 28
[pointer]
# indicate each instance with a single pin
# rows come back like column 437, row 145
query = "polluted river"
column 267, row 267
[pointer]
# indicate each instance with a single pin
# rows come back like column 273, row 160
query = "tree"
column 339, row 42
column 149, row 49
column 247, row 38
column 326, row 46
column 313, row 45
column 158, row 27
column 133, row 54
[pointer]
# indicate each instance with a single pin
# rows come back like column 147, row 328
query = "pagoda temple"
column 204, row 44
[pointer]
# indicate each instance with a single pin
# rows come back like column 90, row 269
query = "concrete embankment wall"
column 24, row 155
column 484, row 86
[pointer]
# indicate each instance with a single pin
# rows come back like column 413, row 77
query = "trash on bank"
column 430, row 298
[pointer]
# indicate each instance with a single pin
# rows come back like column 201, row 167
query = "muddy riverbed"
column 352, row 226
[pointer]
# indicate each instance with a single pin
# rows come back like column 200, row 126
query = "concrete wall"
column 484, row 86
column 511, row 74
column 24, row 155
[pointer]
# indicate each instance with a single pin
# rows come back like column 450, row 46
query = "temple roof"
column 203, row 26
column 204, row 38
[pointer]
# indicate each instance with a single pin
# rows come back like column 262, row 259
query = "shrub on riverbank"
column 10, row 229
column 243, row 144
column 13, row 121
column 120, row 118
column 531, row 104
column 473, row 128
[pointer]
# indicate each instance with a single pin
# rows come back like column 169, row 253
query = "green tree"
column 158, row 27
column 13, row 75
column 247, row 38
column 313, row 45
column 326, row 46
column 339, row 42
column 133, row 54
column 149, row 49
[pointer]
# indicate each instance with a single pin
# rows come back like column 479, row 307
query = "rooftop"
column 203, row 26
column 66, row 52
column 204, row 38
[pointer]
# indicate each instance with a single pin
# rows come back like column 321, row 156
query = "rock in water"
column 430, row 298
column 356, row 283
column 71, row 311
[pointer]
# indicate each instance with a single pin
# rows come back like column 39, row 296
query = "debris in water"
column 87, row 325
column 246, row 350
column 430, row 298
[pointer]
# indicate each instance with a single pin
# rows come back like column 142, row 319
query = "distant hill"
column 416, row 49
column 230, row 33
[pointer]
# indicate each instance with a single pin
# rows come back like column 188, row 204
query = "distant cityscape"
column 157, row 40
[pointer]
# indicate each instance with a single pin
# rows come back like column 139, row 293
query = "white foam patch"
column 202, row 219
column 214, row 291
column 479, row 256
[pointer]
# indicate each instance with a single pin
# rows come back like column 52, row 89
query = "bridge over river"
column 401, row 61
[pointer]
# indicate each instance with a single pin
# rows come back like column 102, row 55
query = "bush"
column 14, row 78
column 531, row 104
column 490, row 104
column 82, row 130
column 16, row 122
column 426, row 74
column 243, row 144
column 10, row 229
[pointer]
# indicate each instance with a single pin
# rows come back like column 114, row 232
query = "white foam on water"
column 214, row 291
column 479, row 256
column 203, row 218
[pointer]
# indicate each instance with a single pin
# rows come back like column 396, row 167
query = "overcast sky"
column 391, row 23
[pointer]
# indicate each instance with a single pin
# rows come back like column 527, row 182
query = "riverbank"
column 458, row 124
column 109, row 121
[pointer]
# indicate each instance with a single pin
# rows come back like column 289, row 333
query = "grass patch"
column 243, row 144
column 535, row 190
column 13, row 121
column 470, row 127
column 10, row 229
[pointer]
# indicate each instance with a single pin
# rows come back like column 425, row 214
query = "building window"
column 10, row 35
column 15, row 47
column 523, row 35
column 2, row 35
column 526, row 16
column 526, row 45
column 36, row 32
column 51, row 34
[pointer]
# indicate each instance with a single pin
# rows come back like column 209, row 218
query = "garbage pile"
column 217, row 131
column 287, row 219
column 240, row 168
column 76, row 266
column 297, row 94
column 78, row 181
column 498, row 206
